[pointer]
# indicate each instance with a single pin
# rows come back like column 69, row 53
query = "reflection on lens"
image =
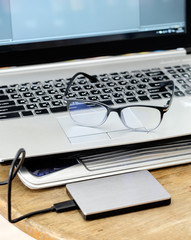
column 141, row 118
column 87, row 113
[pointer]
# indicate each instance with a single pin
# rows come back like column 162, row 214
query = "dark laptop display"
column 49, row 31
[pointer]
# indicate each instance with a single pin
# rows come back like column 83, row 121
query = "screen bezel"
column 62, row 50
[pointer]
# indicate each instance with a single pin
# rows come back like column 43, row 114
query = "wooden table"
column 171, row 222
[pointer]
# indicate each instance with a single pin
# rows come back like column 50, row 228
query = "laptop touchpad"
column 74, row 132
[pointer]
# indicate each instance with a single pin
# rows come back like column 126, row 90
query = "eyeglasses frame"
column 118, row 110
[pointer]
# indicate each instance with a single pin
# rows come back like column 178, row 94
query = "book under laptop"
column 130, row 47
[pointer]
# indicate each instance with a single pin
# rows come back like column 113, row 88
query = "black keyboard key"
column 141, row 92
column 11, row 109
column 22, row 101
column 34, row 100
column 23, row 89
column 47, row 86
column 188, row 92
column 7, row 103
column 160, row 78
column 122, row 83
column 40, row 93
column 139, row 75
column 3, row 97
column 120, row 101
column 134, row 81
column 142, row 86
column 155, row 96
column 11, row 90
column 27, row 113
column 179, row 93
column 35, row 88
column 95, row 92
column 128, row 76
column 128, row 94
column 52, row 91
column 111, row 84
column 117, row 95
column 116, row 77
column 58, row 96
column 3, row 87
column 107, row 90
column 145, row 80
column 107, row 102
column 15, row 96
column 41, row 111
column 144, row 98
column 44, row 104
column 157, row 90
column 9, row 115
column 31, row 106
column 28, row 94
column 132, row 99
column 166, row 95
column 130, row 87
column 105, row 96
column 56, row 103
column 93, row 98
column 46, row 98
column 154, row 74
column 185, row 86
column 58, row 109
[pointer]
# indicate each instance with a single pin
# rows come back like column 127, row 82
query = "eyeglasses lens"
column 141, row 118
column 87, row 113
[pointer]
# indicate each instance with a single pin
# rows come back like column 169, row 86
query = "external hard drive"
column 118, row 194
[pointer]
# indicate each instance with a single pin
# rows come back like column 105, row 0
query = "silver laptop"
column 43, row 44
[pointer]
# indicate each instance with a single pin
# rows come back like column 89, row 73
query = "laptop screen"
column 78, row 26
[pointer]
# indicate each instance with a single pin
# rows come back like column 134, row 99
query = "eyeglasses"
column 137, row 117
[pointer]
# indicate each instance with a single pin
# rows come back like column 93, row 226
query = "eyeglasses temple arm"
column 92, row 78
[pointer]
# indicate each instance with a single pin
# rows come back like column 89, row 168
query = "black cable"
column 15, row 166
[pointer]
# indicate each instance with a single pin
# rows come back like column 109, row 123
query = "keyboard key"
column 27, row 113
column 56, row 103
column 3, row 97
column 120, row 101
column 31, row 106
column 7, row 103
column 160, row 78
column 11, row 109
column 132, row 99
column 179, row 94
column 58, row 109
column 11, row 90
column 9, row 115
column 188, row 92
column 155, row 96
column 107, row 102
column 155, row 73
column 144, row 98
column 22, row 101
column 41, row 111
column 141, row 92
column 15, row 96
column 28, row 94
column 93, row 98
column 44, row 105
column 157, row 90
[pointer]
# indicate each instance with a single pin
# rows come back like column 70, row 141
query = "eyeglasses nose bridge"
column 117, row 110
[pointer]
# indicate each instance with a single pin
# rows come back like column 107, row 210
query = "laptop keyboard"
column 37, row 98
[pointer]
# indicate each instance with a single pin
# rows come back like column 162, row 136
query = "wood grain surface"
column 172, row 222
